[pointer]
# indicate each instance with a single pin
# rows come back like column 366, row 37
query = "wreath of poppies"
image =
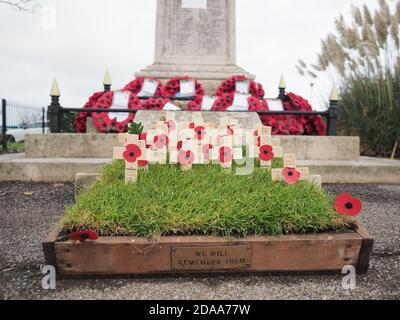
column 295, row 125
column 104, row 123
column 80, row 120
column 135, row 86
column 229, row 87
column 195, row 104
column 281, row 124
column 226, row 101
column 173, row 87
column 154, row 103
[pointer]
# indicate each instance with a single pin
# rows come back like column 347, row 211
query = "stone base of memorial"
column 130, row 256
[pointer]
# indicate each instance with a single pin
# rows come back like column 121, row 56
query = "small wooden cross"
column 265, row 150
column 188, row 155
column 290, row 173
column 262, row 131
column 133, row 152
column 225, row 152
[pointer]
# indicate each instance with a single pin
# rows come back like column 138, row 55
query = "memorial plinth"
column 199, row 42
column 246, row 120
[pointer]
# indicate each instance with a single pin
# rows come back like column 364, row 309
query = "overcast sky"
column 91, row 36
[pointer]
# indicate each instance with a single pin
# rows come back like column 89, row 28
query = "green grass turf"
column 204, row 201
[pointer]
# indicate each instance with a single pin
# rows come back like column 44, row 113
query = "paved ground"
column 28, row 211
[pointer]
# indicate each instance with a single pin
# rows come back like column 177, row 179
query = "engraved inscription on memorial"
column 196, row 32
column 207, row 258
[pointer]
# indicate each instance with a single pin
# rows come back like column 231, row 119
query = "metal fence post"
column 282, row 88
column 55, row 109
column 43, row 120
column 333, row 113
column 4, row 123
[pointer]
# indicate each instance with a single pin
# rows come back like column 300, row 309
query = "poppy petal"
column 83, row 235
column 186, row 157
column 291, row 176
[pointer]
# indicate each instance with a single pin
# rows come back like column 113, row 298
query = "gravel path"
column 28, row 211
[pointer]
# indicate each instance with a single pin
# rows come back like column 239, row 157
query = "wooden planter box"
column 116, row 256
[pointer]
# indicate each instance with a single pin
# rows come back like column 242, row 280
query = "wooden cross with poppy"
column 224, row 153
column 266, row 153
column 168, row 116
column 277, row 148
column 158, row 140
column 261, row 131
column 134, row 153
column 228, row 121
column 251, row 142
column 290, row 173
column 189, row 154
column 197, row 117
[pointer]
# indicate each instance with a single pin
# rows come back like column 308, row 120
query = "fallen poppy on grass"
column 266, row 153
column 161, row 141
column 225, row 155
column 132, row 153
column 347, row 205
column 291, row 176
column 83, row 236
column 186, row 158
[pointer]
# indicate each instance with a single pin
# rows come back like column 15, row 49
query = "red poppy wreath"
column 104, row 123
column 226, row 101
column 173, row 87
column 135, row 86
column 229, row 87
column 79, row 123
column 295, row 125
column 154, row 103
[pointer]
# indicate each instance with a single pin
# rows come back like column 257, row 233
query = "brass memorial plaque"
column 211, row 258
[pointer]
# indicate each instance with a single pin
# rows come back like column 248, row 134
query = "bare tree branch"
column 22, row 5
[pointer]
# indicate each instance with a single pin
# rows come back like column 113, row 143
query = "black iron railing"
column 56, row 112
column 17, row 120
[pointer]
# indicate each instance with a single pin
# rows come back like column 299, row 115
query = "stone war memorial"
column 195, row 38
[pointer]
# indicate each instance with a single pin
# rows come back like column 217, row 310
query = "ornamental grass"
column 364, row 57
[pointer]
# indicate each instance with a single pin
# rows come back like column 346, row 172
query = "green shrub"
column 370, row 108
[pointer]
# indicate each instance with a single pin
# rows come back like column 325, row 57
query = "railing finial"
column 282, row 88
column 55, row 90
column 334, row 95
column 107, row 81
